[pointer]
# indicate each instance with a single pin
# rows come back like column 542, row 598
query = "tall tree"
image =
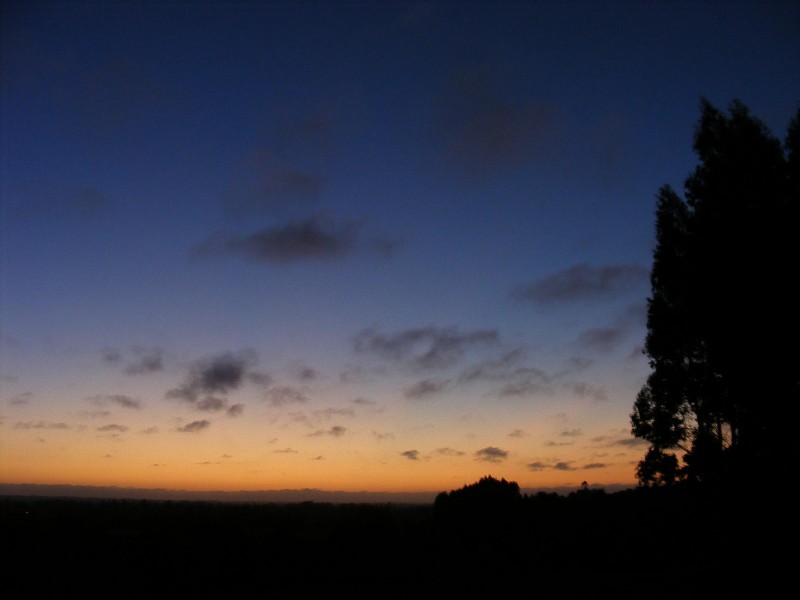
column 722, row 322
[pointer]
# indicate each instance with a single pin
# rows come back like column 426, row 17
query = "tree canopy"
column 723, row 395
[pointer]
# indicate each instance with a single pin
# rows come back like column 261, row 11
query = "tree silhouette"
column 722, row 396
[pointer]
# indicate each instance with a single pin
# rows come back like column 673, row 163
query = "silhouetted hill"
column 654, row 543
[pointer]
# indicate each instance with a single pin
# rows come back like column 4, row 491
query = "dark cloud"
column 600, row 339
column 425, row 388
column 145, row 361
column 40, row 425
column 121, row 400
column 66, row 203
column 211, row 404
column 21, row 399
column 492, row 369
column 635, row 315
column 112, row 355
column 386, row 247
column 491, row 454
column 579, row 363
column 425, row 347
column 486, row 129
column 112, row 428
column 118, row 94
column 281, row 396
column 209, row 381
column 285, row 171
column 526, row 382
column 595, row 466
column 304, row 373
column 95, row 414
column 583, row 282
column 235, row 410
column 148, row 361
column 335, row 431
column 411, row 454
column 336, row 412
column 624, row 441
column 275, row 187
column 194, row 426
column 518, row 381
column 571, row 433
column 518, row 433
column 259, row 379
column 311, row 239
column 564, row 466
column 585, row 390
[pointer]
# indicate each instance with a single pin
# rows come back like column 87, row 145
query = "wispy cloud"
column 144, row 361
column 526, row 382
column 586, row 390
column 423, row 347
column 194, row 426
column 21, row 399
column 601, row 340
column 411, row 454
column 493, row 368
column 563, row 465
column 111, row 355
column 583, row 282
column 486, row 129
column 311, row 239
column 56, row 201
column 571, row 433
column 120, row 400
column 112, row 428
column 335, row 431
column 425, row 389
column 40, row 425
column 286, row 395
column 286, row 170
column 147, row 361
column 449, row 452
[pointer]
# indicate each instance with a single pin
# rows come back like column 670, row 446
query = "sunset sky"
column 379, row 246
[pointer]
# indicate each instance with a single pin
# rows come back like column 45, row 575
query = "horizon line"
column 282, row 496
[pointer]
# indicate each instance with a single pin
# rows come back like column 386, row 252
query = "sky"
column 388, row 247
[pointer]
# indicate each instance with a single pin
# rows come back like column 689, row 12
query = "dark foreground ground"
column 632, row 544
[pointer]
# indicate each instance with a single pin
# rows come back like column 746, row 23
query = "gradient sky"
column 381, row 246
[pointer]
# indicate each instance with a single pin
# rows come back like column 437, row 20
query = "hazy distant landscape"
column 299, row 495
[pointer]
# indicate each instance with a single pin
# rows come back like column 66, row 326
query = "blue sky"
column 384, row 246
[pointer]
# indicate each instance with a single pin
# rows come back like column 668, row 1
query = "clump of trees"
column 723, row 396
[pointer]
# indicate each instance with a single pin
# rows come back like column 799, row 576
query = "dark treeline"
column 683, row 541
